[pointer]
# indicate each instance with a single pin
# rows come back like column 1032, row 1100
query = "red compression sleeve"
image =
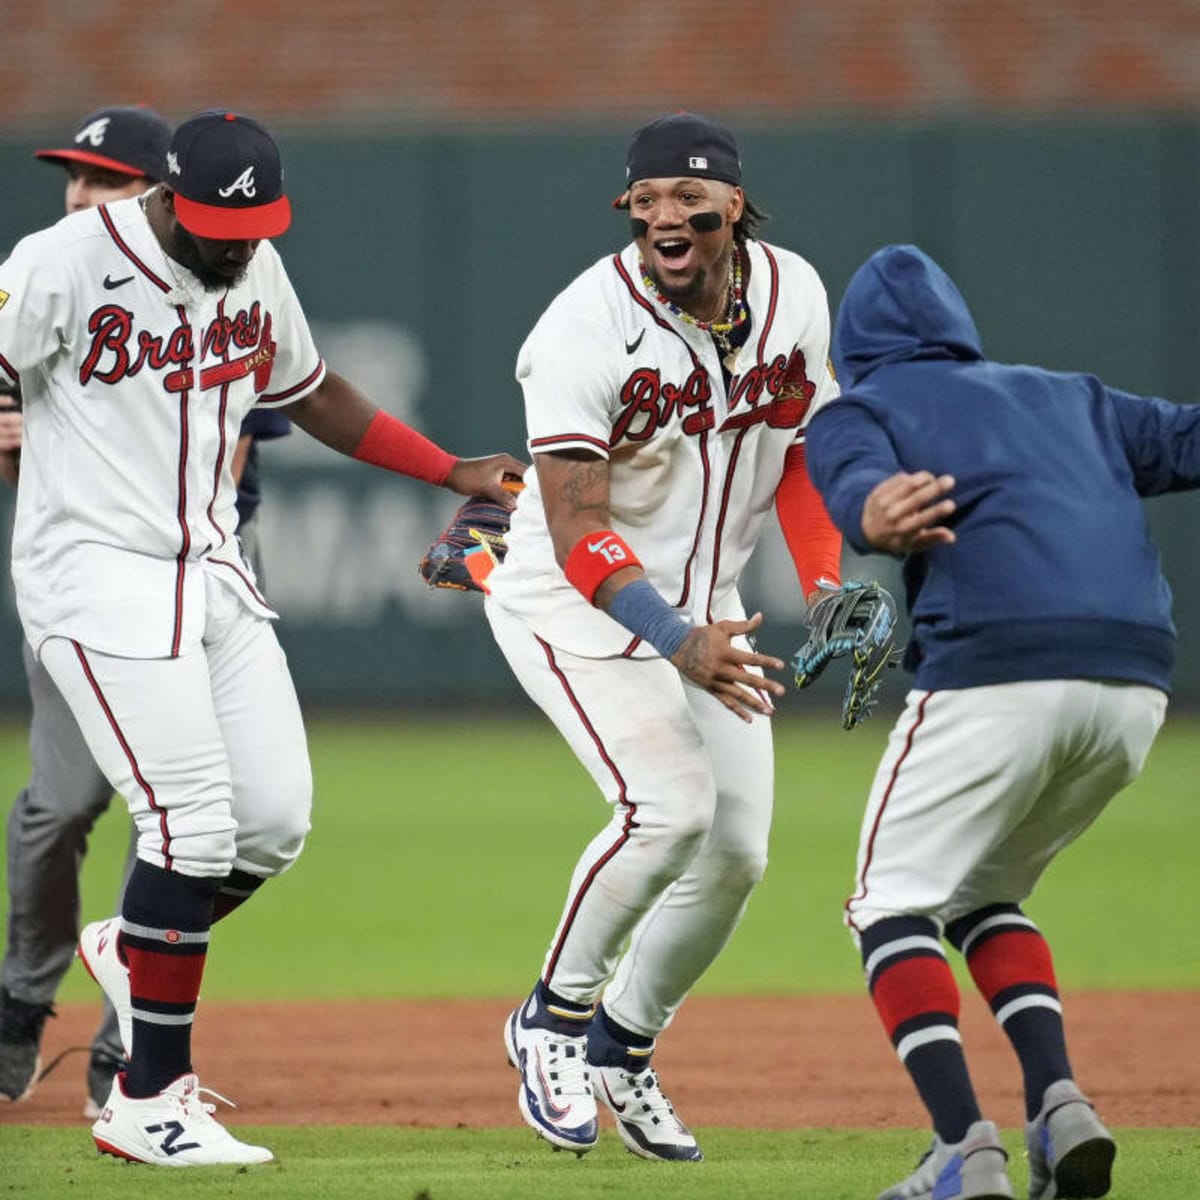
column 812, row 538
column 391, row 444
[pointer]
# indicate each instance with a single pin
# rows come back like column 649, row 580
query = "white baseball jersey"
column 693, row 467
column 135, row 381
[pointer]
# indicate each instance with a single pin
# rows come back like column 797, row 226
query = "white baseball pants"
column 691, row 788
column 208, row 749
column 979, row 788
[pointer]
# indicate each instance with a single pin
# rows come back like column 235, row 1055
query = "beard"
column 184, row 249
column 686, row 294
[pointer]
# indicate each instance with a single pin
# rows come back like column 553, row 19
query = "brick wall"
column 517, row 62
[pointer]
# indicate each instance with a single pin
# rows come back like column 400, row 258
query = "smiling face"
column 690, row 267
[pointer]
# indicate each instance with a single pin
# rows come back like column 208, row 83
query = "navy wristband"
column 640, row 608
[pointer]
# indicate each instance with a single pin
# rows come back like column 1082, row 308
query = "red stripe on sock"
column 913, row 988
column 168, row 978
column 1008, row 959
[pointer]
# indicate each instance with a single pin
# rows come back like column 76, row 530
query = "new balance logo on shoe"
column 171, row 1143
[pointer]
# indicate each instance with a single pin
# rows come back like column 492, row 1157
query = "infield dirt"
column 768, row 1063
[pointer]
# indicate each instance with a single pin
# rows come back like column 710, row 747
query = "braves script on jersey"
column 693, row 467
column 135, row 383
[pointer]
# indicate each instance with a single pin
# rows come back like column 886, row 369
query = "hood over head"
column 900, row 306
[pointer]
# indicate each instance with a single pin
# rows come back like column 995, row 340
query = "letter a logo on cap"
column 244, row 183
column 93, row 133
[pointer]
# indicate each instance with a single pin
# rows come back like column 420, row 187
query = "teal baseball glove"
column 857, row 620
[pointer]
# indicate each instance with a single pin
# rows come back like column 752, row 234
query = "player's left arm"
column 811, row 536
column 337, row 413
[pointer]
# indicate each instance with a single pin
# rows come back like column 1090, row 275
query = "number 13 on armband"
column 610, row 549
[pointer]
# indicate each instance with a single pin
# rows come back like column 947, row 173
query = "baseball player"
column 667, row 390
column 116, row 153
column 1042, row 645
column 143, row 332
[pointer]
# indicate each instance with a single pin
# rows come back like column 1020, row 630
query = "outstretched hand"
column 710, row 660
column 497, row 477
column 904, row 513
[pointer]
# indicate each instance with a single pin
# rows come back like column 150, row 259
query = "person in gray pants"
column 115, row 153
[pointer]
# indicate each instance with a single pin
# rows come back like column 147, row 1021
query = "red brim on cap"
column 96, row 160
column 220, row 224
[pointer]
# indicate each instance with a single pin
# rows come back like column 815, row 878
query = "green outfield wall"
column 423, row 259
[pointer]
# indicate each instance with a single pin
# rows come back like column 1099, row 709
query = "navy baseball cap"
column 129, row 139
column 227, row 176
column 681, row 145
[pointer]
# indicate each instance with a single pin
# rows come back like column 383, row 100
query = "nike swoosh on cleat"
column 630, row 347
column 110, row 282
column 620, row 1108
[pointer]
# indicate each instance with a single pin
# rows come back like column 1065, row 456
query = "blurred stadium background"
column 452, row 166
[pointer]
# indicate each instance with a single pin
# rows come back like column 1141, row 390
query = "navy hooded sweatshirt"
column 1053, row 574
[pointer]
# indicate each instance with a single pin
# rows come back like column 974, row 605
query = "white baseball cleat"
column 97, row 951
column 173, row 1129
column 645, row 1118
column 555, row 1096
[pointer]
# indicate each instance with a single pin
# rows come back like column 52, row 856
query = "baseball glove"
column 469, row 548
column 859, row 620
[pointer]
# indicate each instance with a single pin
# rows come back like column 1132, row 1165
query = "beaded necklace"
column 735, row 313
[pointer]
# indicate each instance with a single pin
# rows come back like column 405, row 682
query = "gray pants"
column 48, row 829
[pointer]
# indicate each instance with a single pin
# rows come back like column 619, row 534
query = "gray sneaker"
column 973, row 1169
column 1070, row 1152
column 20, row 1042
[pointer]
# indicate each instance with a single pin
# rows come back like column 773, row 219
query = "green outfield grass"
column 500, row 1164
column 441, row 852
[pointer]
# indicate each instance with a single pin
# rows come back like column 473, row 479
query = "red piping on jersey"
column 887, row 795
column 645, row 304
column 129, row 755
column 273, row 397
column 626, row 832
column 10, row 370
column 181, row 557
column 224, row 401
column 186, row 542
column 772, row 303
column 725, row 493
column 727, row 490
column 123, row 246
column 220, row 562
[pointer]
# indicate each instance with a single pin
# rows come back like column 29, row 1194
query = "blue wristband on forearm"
column 640, row 608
